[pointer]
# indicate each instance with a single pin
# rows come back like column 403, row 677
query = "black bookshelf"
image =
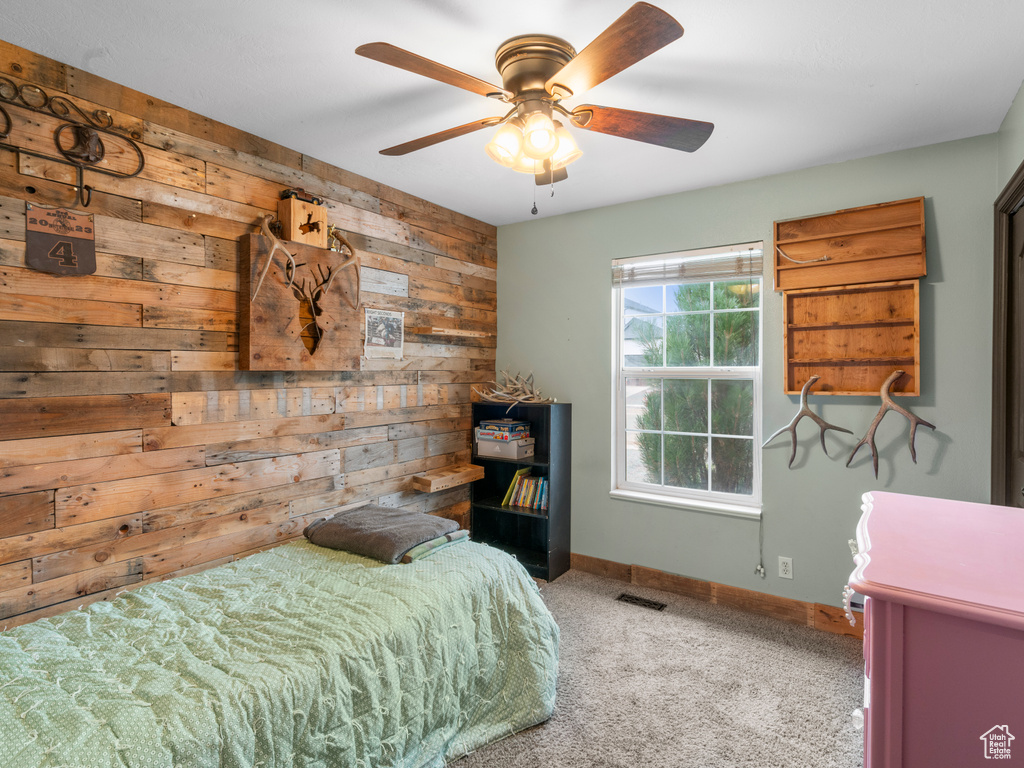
column 538, row 539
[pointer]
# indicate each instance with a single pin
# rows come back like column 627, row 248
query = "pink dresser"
column 944, row 632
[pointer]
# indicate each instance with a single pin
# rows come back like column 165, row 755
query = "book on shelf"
column 513, row 486
column 527, row 492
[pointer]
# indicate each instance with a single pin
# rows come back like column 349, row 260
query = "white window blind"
column 699, row 266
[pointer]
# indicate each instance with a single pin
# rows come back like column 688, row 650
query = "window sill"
column 710, row 507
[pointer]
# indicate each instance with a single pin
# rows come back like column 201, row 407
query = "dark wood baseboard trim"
column 827, row 618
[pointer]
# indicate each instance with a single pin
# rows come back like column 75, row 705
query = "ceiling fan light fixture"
column 506, row 145
column 567, row 151
column 539, row 139
column 524, row 164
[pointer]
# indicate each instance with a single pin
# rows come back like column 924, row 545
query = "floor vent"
column 643, row 602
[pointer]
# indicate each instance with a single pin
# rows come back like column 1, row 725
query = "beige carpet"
column 693, row 686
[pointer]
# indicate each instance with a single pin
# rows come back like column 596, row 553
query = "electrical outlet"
column 785, row 567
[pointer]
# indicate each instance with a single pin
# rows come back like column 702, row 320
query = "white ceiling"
column 789, row 84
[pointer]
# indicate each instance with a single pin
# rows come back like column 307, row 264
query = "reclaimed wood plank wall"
column 132, row 448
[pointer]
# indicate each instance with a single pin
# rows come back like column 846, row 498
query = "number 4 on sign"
column 64, row 253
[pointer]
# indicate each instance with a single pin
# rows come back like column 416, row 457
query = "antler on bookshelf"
column 806, row 411
column 889, row 405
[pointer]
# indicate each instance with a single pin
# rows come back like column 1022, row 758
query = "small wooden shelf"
column 852, row 361
column 433, row 330
column 863, row 324
column 446, row 477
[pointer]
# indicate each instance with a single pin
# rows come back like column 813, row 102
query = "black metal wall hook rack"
column 86, row 131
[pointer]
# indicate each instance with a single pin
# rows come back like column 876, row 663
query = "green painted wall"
column 555, row 318
column 1011, row 139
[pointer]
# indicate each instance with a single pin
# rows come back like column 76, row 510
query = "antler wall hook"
column 889, row 405
column 806, row 411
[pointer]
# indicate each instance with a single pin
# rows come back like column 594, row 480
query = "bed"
column 297, row 656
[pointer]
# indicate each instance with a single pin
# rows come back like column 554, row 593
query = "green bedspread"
column 298, row 656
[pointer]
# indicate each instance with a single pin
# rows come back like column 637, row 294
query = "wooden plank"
column 126, row 548
column 241, row 187
column 670, row 582
column 399, row 415
column 403, row 470
column 793, row 611
column 433, row 330
column 40, row 543
column 423, row 428
column 42, row 191
column 231, row 546
column 61, row 359
column 247, row 450
column 104, row 468
column 222, row 254
column 172, row 207
column 97, row 501
column 26, row 513
column 15, row 575
column 98, row 337
column 41, row 450
column 249, row 405
column 33, row 596
column 381, row 281
column 446, row 477
column 190, row 319
column 32, row 67
column 183, row 360
column 44, row 416
column 829, row 618
column 187, row 274
column 32, row 283
column 236, row 504
column 321, row 504
column 222, row 224
column 44, row 309
column 600, row 567
column 199, row 434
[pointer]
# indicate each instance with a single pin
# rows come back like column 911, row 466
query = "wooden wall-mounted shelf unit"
column 447, row 477
column 864, row 245
column 433, row 330
column 853, row 337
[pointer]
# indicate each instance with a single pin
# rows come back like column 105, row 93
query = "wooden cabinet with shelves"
column 853, row 337
column 539, row 539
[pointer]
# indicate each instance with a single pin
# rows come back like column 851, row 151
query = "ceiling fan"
column 537, row 73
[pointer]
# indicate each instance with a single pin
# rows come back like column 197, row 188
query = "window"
column 688, row 378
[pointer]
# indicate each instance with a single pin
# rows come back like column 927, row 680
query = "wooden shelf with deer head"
column 301, row 310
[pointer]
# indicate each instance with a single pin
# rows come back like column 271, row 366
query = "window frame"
column 701, row 499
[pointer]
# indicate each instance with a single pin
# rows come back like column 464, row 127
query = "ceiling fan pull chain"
column 534, row 209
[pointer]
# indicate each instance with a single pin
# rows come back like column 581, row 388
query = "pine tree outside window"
column 688, row 379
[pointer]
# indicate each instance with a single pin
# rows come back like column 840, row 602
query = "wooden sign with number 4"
column 59, row 241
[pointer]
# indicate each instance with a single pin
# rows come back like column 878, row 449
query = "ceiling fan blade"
column 638, row 33
column 672, row 132
column 411, row 62
column 546, row 177
column 437, row 138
